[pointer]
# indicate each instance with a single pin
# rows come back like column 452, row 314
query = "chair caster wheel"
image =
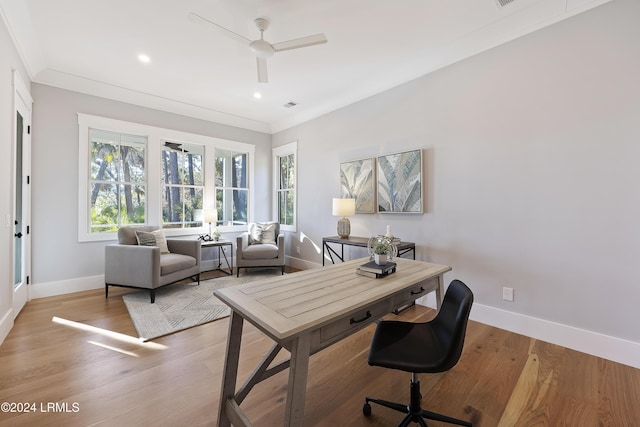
column 366, row 410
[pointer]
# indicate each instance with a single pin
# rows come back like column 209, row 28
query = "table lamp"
column 344, row 208
column 210, row 215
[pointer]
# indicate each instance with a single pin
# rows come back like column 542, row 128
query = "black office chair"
column 430, row 347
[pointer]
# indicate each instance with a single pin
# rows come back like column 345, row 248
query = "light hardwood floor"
column 88, row 364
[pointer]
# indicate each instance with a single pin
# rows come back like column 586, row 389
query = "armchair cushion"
column 261, row 251
column 170, row 263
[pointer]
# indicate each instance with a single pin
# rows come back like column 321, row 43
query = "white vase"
column 380, row 259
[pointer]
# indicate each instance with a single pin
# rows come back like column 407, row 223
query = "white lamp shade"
column 210, row 215
column 344, row 207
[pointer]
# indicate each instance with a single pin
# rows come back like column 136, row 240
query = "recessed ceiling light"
column 144, row 58
column 257, row 95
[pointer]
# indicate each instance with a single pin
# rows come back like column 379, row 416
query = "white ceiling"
column 91, row 46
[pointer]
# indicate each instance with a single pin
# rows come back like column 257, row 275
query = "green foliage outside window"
column 117, row 182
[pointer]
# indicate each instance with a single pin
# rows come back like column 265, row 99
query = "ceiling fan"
column 261, row 48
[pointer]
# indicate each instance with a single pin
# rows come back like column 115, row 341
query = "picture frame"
column 357, row 181
column 399, row 180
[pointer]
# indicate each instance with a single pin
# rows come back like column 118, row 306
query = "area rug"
column 182, row 306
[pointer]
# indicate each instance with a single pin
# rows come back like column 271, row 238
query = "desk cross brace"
column 262, row 372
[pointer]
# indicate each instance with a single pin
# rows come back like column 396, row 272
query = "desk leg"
column 297, row 390
column 230, row 372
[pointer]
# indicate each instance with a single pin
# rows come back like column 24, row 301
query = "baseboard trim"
column 50, row 289
column 594, row 343
column 6, row 323
column 301, row 264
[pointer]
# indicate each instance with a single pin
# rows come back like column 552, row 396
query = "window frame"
column 119, row 181
column 226, row 188
column 278, row 152
column 156, row 137
column 183, row 186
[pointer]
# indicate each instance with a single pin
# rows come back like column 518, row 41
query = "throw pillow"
column 146, row 238
column 262, row 233
column 161, row 241
column 153, row 238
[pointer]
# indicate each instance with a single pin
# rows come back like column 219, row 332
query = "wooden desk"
column 307, row 311
column 362, row 242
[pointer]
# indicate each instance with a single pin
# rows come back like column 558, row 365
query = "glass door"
column 21, row 197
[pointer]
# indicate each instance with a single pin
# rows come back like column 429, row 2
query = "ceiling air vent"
column 289, row 104
column 503, row 3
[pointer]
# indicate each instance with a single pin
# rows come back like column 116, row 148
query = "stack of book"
column 371, row 269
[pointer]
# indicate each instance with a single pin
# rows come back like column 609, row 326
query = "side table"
column 220, row 244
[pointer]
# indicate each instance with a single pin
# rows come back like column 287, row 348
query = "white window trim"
column 153, row 169
column 281, row 151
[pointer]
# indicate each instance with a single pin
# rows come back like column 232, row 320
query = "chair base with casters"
column 414, row 411
column 428, row 347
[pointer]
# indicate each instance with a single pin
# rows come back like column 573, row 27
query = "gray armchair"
column 130, row 265
column 261, row 246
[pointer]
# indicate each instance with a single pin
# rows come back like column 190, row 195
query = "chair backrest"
column 451, row 321
column 127, row 233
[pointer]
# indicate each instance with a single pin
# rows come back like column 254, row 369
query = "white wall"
column 60, row 262
column 9, row 61
column 531, row 175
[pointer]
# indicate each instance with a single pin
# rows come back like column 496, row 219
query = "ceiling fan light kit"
column 261, row 48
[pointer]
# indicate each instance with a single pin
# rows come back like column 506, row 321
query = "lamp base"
column 344, row 228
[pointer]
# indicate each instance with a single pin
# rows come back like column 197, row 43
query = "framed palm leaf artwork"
column 357, row 182
column 400, row 182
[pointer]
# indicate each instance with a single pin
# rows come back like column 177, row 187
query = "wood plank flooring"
column 83, row 369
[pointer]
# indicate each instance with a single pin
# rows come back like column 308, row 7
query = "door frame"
column 22, row 103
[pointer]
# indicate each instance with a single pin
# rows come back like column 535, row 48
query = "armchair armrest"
column 186, row 247
column 132, row 265
column 280, row 246
column 242, row 242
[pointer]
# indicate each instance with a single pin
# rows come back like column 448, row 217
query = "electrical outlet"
column 298, row 250
column 507, row 294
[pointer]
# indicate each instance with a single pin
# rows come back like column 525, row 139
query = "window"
column 117, row 180
column 182, row 184
column 232, row 187
column 284, row 166
column 130, row 173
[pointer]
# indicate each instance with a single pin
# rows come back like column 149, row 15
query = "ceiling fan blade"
column 301, row 42
column 262, row 70
column 202, row 20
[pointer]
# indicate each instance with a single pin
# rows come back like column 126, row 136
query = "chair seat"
column 410, row 347
column 170, row 263
column 260, row 251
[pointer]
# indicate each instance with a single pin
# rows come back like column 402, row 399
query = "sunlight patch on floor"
column 110, row 334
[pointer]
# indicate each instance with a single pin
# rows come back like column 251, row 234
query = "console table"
column 307, row 311
column 403, row 247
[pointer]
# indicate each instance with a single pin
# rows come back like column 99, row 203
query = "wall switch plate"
column 507, row 294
